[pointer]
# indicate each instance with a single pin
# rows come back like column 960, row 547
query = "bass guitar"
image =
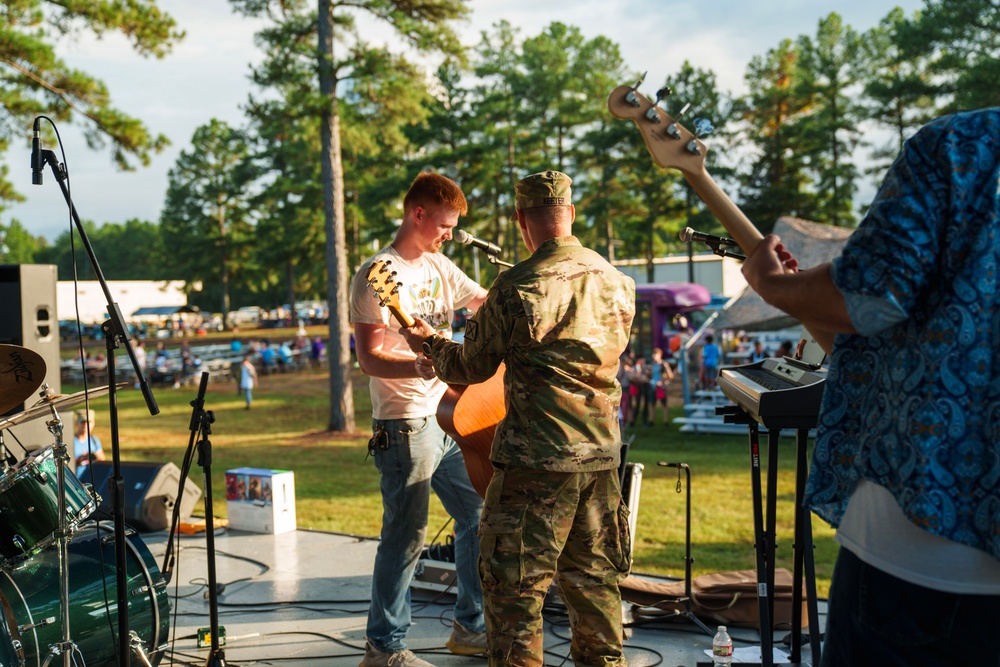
column 468, row 413
column 673, row 146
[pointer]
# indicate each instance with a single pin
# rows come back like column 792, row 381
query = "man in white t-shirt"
column 412, row 453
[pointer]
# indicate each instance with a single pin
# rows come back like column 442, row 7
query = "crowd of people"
column 645, row 387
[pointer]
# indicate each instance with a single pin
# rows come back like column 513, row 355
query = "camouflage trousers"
column 538, row 522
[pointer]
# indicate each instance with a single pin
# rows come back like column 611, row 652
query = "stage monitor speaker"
column 150, row 492
column 29, row 319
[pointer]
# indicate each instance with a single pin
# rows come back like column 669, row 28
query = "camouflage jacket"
column 560, row 320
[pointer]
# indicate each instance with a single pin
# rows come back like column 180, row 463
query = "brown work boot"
column 406, row 658
column 465, row 642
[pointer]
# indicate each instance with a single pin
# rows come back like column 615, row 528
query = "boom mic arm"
column 718, row 244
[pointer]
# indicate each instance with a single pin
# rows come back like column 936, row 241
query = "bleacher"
column 218, row 359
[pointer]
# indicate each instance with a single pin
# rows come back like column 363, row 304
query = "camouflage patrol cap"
column 547, row 188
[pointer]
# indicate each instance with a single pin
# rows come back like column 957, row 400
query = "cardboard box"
column 260, row 500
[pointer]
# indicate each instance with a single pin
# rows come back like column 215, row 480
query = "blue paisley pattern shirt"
column 912, row 401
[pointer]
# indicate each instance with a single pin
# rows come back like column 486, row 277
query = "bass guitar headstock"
column 669, row 143
column 385, row 289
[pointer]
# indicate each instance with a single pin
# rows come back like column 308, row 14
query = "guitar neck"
column 404, row 319
column 746, row 235
column 722, row 207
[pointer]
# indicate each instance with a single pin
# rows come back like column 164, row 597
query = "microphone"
column 689, row 235
column 36, row 158
column 463, row 237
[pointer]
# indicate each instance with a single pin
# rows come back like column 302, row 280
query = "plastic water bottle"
column 722, row 648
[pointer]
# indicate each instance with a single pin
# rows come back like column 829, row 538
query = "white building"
column 721, row 275
column 130, row 295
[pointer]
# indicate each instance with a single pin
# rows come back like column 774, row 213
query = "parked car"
column 245, row 316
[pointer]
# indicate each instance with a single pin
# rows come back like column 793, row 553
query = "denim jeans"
column 420, row 457
column 876, row 619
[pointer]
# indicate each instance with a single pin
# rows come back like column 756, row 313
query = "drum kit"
column 58, row 583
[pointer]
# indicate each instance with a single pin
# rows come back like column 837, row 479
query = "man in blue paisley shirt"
column 907, row 460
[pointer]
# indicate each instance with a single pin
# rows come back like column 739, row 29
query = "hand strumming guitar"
column 415, row 336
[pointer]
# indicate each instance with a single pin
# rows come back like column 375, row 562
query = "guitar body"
column 470, row 414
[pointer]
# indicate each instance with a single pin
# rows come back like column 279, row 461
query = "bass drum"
column 30, row 593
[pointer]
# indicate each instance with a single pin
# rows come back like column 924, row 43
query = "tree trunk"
column 290, row 277
column 338, row 349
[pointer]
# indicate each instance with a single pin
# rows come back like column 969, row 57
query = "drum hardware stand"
column 688, row 595
column 66, row 648
column 6, row 455
column 115, row 331
column 135, row 642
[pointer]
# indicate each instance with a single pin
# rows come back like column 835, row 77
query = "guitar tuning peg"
column 651, row 113
column 672, row 129
column 631, row 97
column 703, row 127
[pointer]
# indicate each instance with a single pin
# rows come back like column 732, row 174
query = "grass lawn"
column 337, row 489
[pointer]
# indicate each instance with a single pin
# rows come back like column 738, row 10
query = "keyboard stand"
column 765, row 521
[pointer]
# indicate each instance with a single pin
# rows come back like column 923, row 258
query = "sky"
column 206, row 76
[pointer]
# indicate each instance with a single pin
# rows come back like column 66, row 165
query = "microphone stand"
column 115, row 332
column 688, row 594
column 717, row 248
column 493, row 259
column 201, row 422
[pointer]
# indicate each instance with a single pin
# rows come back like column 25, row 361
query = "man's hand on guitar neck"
column 809, row 296
column 415, row 336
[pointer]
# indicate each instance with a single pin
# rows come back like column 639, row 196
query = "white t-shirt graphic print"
column 433, row 288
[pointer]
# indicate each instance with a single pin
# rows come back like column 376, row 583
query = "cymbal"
column 22, row 372
column 44, row 406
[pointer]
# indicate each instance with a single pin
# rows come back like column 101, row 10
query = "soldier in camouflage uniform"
column 560, row 321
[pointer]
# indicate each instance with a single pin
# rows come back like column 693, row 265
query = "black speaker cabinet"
column 150, row 492
column 28, row 318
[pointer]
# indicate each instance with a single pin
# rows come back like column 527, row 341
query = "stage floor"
column 301, row 598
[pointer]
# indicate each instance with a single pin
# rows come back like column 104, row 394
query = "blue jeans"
column 878, row 620
column 420, row 457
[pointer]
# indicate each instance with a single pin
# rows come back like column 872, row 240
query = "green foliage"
column 207, row 220
column 899, row 93
column 338, row 128
column 963, row 40
column 34, row 80
column 777, row 181
column 17, row 245
column 115, row 247
column 831, row 63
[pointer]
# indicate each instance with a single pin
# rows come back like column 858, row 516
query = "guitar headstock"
column 670, row 144
column 385, row 289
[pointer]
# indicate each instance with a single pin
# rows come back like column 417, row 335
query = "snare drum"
column 30, row 594
column 29, row 505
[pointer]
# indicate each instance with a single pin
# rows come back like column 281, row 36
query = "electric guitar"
column 673, row 146
column 468, row 413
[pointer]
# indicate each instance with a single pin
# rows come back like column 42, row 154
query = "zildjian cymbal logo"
column 20, row 368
